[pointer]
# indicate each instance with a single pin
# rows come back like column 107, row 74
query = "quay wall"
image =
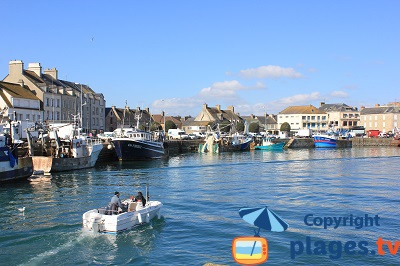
column 375, row 142
column 182, row 146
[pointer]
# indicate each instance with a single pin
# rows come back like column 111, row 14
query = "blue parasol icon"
column 263, row 218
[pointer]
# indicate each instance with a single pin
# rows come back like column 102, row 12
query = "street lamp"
column 163, row 113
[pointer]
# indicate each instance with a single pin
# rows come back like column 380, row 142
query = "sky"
column 174, row 56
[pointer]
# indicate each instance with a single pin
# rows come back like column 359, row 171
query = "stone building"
column 60, row 99
column 382, row 118
column 341, row 116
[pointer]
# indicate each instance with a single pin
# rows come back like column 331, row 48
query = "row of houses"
column 35, row 95
column 325, row 117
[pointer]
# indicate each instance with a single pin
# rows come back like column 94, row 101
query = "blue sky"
column 177, row 55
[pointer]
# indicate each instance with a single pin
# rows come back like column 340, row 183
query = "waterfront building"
column 18, row 102
column 341, row 116
column 190, row 125
column 210, row 115
column 127, row 118
column 60, row 99
column 267, row 123
column 382, row 118
column 162, row 118
column 303, row 117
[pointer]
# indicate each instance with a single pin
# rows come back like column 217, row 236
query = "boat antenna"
column 147, row 192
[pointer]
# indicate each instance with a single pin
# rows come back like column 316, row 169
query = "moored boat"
column 236, row 142
column 57, row 154
column 136, row 145
column 268, row 143
column 324, row 141
column 12, row 165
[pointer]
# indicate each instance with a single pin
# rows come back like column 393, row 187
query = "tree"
column 170, row 125
column 154, row 126
column 254, row 127
column 240, row 126
column 285, row 127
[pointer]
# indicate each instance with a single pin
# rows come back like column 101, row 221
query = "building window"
column 27, row 117
column 47, row 101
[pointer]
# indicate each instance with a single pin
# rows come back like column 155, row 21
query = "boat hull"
column 23, row 169
column 137, row 150
column 324, row 142
column 272, row 147
column 51, row 165
column 97, row 221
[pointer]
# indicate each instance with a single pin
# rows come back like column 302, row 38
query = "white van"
column 177, row 134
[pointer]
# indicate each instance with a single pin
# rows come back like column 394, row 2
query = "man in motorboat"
column 115, row 204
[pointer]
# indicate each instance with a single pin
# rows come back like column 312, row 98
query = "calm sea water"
column 202, row 194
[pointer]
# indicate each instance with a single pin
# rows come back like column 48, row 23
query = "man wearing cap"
column 115, row 203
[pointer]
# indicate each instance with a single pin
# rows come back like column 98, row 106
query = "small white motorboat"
column 98, row 220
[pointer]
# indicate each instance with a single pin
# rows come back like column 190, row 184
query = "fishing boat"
column 12, row 165
column 216, row 141
column 136, row 145
column 268, row 143
column 105, row 221
column 324, row 141
column 51, row 153
column 236, row 142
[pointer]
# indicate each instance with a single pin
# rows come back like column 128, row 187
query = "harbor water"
column 202, row 194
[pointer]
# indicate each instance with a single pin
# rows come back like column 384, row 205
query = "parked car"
column 177, row 134
column 199, row 135
column 192, row 136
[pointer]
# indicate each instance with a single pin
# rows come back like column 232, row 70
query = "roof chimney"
column 52, row 72
column 218, row 106
column 15, row 67
column 322, row 103
column 377, row 105
column 205, row 106
column 35, row 67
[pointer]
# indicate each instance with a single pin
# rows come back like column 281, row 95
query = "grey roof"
column 380, row 110
column 337, row 107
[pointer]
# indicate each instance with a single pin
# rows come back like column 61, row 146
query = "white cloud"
column 177, row 106
column 339, row 94
column 299, row 99
column 227, row 89
column 270, row 72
